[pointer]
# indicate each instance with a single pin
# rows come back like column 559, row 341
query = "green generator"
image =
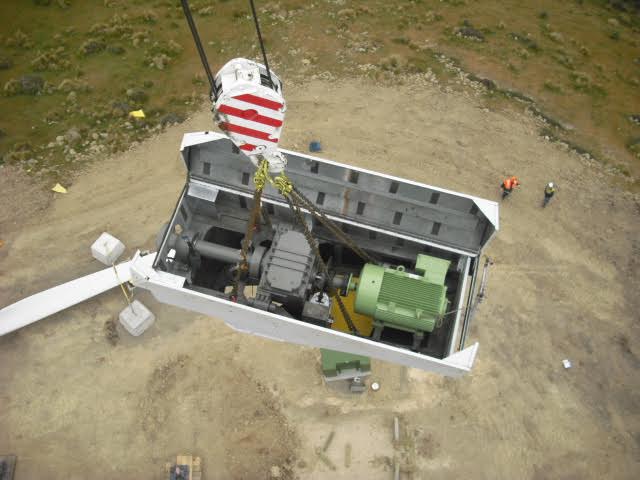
column 412, row 302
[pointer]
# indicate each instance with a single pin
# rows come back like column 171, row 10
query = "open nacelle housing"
column 392, row 219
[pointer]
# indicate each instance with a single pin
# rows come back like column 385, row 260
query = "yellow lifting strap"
column 283, row 184
column 262, row 174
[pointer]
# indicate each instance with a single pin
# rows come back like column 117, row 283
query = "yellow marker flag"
column 136, row 114
column 59, row 188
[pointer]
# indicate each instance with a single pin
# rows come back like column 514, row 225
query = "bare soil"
column 564, row 285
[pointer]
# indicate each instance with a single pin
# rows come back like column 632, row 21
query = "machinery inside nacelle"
column 405, row 300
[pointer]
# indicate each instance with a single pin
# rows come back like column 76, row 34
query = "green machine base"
column 343, row 366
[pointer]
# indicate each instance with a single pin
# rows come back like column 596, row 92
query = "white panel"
column 489, row 208
column 356, row 224
column 277, row 327
column 203, row 190
column 459, row 306
column 56, row 299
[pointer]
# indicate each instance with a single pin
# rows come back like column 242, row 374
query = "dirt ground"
column 564, row 285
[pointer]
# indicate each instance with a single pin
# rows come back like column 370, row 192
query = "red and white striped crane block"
column 250, row 110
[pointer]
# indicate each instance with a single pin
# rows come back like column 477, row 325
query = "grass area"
column 71, row 70
column 579, row 60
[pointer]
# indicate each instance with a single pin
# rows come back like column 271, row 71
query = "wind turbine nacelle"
column 250, row 110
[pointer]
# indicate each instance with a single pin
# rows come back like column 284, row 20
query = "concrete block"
column 107, row 249
column 136, row 318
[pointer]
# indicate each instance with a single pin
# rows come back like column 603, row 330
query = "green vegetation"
column 634, row 146
column 71, row 71
column 552, row 87
column 526, row 40
column 582, row 82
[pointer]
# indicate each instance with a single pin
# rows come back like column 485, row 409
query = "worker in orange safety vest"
column 508, row 185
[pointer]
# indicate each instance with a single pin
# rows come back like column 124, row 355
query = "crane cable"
column 333, row 292
column 200, row 48
column 260, row 41
column 296, row 200
column 293, row 196
column 333, row 228
column 284, row 185
column 260, row 179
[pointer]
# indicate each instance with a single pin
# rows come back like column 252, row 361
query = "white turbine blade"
column 56, row 299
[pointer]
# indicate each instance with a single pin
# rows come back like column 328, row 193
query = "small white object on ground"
column 107, row 249
column 375, row 386
column 396, row 429
column 566, row 363
column 276, row 472
column 136, row 318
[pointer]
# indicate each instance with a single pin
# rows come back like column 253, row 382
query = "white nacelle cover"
column 251, row 111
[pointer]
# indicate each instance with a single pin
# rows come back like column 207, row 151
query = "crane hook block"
column 250, row 110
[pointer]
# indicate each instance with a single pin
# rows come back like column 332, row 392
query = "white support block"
column 136, row 318
column 107, row 249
